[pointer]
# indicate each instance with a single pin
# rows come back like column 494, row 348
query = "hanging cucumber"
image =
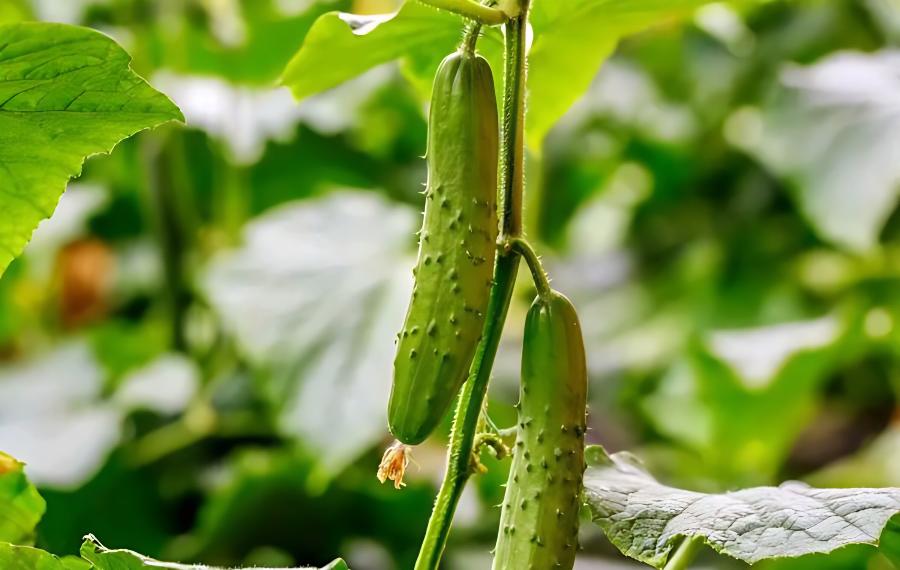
column 539, row 520
column 456, row 248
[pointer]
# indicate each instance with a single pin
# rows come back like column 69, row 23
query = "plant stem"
column 541, row 281
column 469, row 407
column 168, row 190
column 685, row 553
column 512, row 157
column 470, row 38
column 470, row 9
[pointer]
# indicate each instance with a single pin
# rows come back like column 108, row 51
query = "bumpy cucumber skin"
column 539, row 520
column 457, row 246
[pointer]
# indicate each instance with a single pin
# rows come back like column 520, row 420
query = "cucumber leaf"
column 66, row 93
column 21, row 507
column 838, row 118
column 341, row 46
column 315, row 298
column 14, row 557
column 646, row 519
column 62, row 430
column 572, row 38
column 103, row 558
column 718, row 399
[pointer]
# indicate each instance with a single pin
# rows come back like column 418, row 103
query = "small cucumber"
column 539, row 519
column 456, row 248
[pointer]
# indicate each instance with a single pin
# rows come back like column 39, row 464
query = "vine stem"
column 470, row 9
column 471, row 399
column 541, row 281
column 685, row 554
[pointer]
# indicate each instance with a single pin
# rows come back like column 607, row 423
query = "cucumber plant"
column 540, row 511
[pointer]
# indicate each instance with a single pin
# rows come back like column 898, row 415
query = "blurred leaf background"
column 196, row 349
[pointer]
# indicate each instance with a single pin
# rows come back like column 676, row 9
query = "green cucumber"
column 457, row 247
column 539, row 519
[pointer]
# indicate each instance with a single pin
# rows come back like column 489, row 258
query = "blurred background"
column 196, row 349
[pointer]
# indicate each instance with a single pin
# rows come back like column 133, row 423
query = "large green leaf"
column 66, row 93
column 315, row 296
column 831, row 133
column 340, row 46
column 105, row 559
column 720, row 398
column 646, row 519
column 21, row 507
column 26, row 558
column 53, row 418
column 572, row 38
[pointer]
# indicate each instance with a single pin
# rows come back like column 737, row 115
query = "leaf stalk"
column 472, row 10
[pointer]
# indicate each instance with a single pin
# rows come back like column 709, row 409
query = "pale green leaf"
column 27, row 558
column 572, row 38
column 66, row 93
column 21, row 507
column 315, row 297
column 103, row 558
column 341, row 46
column 646, row 519
column 831, row 133
column 719, row 399
column 52, row 415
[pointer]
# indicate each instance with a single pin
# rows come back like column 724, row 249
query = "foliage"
column 646, row 519
column 65, row 93
column 195, row 349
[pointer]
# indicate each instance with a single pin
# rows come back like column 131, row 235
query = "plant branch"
column 471, row 399
column 541, row 281
column 470, row 9
column 685, row 553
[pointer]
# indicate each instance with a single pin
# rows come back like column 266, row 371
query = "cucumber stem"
column 470, row 38
column 471, row 10
column 541, row 281
column 471, row 399
column 685, row 553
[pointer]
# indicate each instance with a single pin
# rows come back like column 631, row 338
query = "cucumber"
column 457, row 246
column 539, row 518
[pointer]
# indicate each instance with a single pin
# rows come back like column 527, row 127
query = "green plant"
column 43, row 68
column 456, row 251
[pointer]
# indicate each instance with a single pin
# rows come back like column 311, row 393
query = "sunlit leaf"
column 831, row 133
column 103, row 558
column 59, row 428
column 66, row 93
column 21, row 507
column 27, row 558
column 340, row 46
column 572, row 38
column 316, row 296
column 719, row 400
column 646, row 519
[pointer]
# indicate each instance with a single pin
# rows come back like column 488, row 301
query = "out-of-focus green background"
column 196, row 349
